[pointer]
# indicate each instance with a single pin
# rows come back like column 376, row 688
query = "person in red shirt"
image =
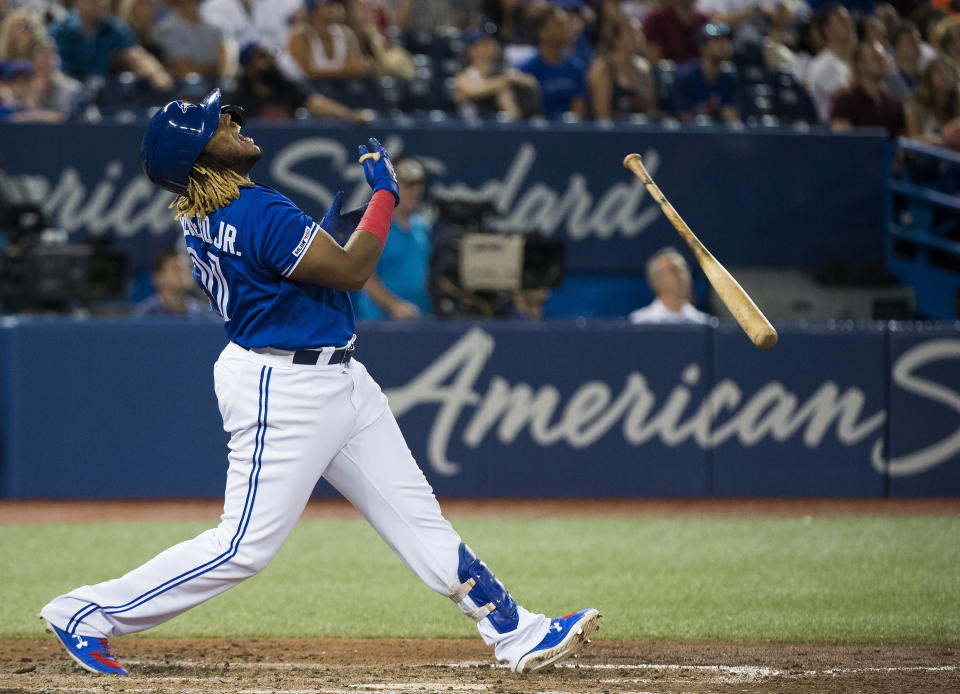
column 866, row 102
column 671, row 31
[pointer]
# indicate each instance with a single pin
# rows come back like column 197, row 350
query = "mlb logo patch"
column 304, row 241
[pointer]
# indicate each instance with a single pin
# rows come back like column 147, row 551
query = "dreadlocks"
column 212, row 185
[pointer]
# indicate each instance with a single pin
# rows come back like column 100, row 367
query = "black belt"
column 310, row 357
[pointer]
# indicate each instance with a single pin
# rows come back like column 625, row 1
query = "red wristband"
column 376, row 218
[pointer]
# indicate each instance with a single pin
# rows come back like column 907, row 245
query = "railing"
column 923, row 226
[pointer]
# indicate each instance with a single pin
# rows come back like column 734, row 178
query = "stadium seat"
column 664, row 73
column 792, row 103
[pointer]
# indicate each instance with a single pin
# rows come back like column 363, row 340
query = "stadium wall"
column 123, row 408
column 771, row 197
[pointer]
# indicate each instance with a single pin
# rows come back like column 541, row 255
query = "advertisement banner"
column 113, row 408
column 565, row 181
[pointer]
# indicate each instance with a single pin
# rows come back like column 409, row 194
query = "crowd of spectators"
column 760, row 61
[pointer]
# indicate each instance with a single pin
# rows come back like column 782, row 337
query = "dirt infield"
column 435, row 666
column 342, row 666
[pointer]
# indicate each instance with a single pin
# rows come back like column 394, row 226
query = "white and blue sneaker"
column 564, row 636
column 91, row 652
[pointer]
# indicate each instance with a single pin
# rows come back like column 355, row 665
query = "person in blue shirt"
column 560, row 73
column 172, row 281
column 94, row 43
column 295, row 402
column 702, row 87
column 398, row 287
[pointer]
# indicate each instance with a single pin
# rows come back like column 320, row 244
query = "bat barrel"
column 746, row 313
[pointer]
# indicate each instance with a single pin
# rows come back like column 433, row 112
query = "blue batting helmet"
column 175, row 137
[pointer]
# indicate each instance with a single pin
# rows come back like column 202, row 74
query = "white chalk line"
column 731, row 674
column 743, row 670
column 754, row 671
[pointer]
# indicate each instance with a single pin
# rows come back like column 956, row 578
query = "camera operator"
column 398, row 287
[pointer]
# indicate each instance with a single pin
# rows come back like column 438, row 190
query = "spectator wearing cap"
column 93, row 43
column 189, row 45
column 671, row 31
column 620, row 78
column 560, row 74
column 264, row 22
column 266, row 93
column 18, row 102
column 324, row 47
column 172, row 283
column 702, row 87
column 54, row 91
column 483, row 88
column 830, row 68
column 398, row 287
column 866, row 103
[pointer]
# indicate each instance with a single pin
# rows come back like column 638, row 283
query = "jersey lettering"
column 225, row 239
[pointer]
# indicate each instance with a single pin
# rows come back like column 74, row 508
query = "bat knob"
column 369, row 155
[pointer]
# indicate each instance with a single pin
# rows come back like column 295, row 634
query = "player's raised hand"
column 341, row 224
column 377, row 169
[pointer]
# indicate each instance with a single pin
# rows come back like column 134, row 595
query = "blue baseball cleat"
column 90, row 652
column 565, row 636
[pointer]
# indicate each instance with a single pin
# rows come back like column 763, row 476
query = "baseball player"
column 296, row 403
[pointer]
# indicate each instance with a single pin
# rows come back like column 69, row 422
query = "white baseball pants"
column 289, row 425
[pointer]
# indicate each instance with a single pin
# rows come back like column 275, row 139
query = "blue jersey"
column 559, row 84
column 243, row 255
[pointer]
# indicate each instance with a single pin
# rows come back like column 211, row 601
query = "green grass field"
column 828, row 579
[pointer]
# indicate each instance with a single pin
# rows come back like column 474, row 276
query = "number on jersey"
column 212, row 282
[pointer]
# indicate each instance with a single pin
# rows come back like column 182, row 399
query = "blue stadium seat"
column 127, row 92
column 792, row 102
column 664, row 73
column 437, row 46
column 353, row 93
column 392, row 92
column 416, row 97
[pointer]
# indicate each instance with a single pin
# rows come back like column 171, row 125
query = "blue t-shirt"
column 559, row 84
column 694, row 95
column 83, row 56
column 403, row 268
column 243, row 255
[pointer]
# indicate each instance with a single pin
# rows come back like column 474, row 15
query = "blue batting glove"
column 379, row 174
column 341, row 224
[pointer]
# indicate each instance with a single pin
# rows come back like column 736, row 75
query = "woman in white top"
column 324, row 47
column 620, row 78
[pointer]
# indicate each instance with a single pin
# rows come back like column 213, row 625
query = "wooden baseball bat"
column 746, row 313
